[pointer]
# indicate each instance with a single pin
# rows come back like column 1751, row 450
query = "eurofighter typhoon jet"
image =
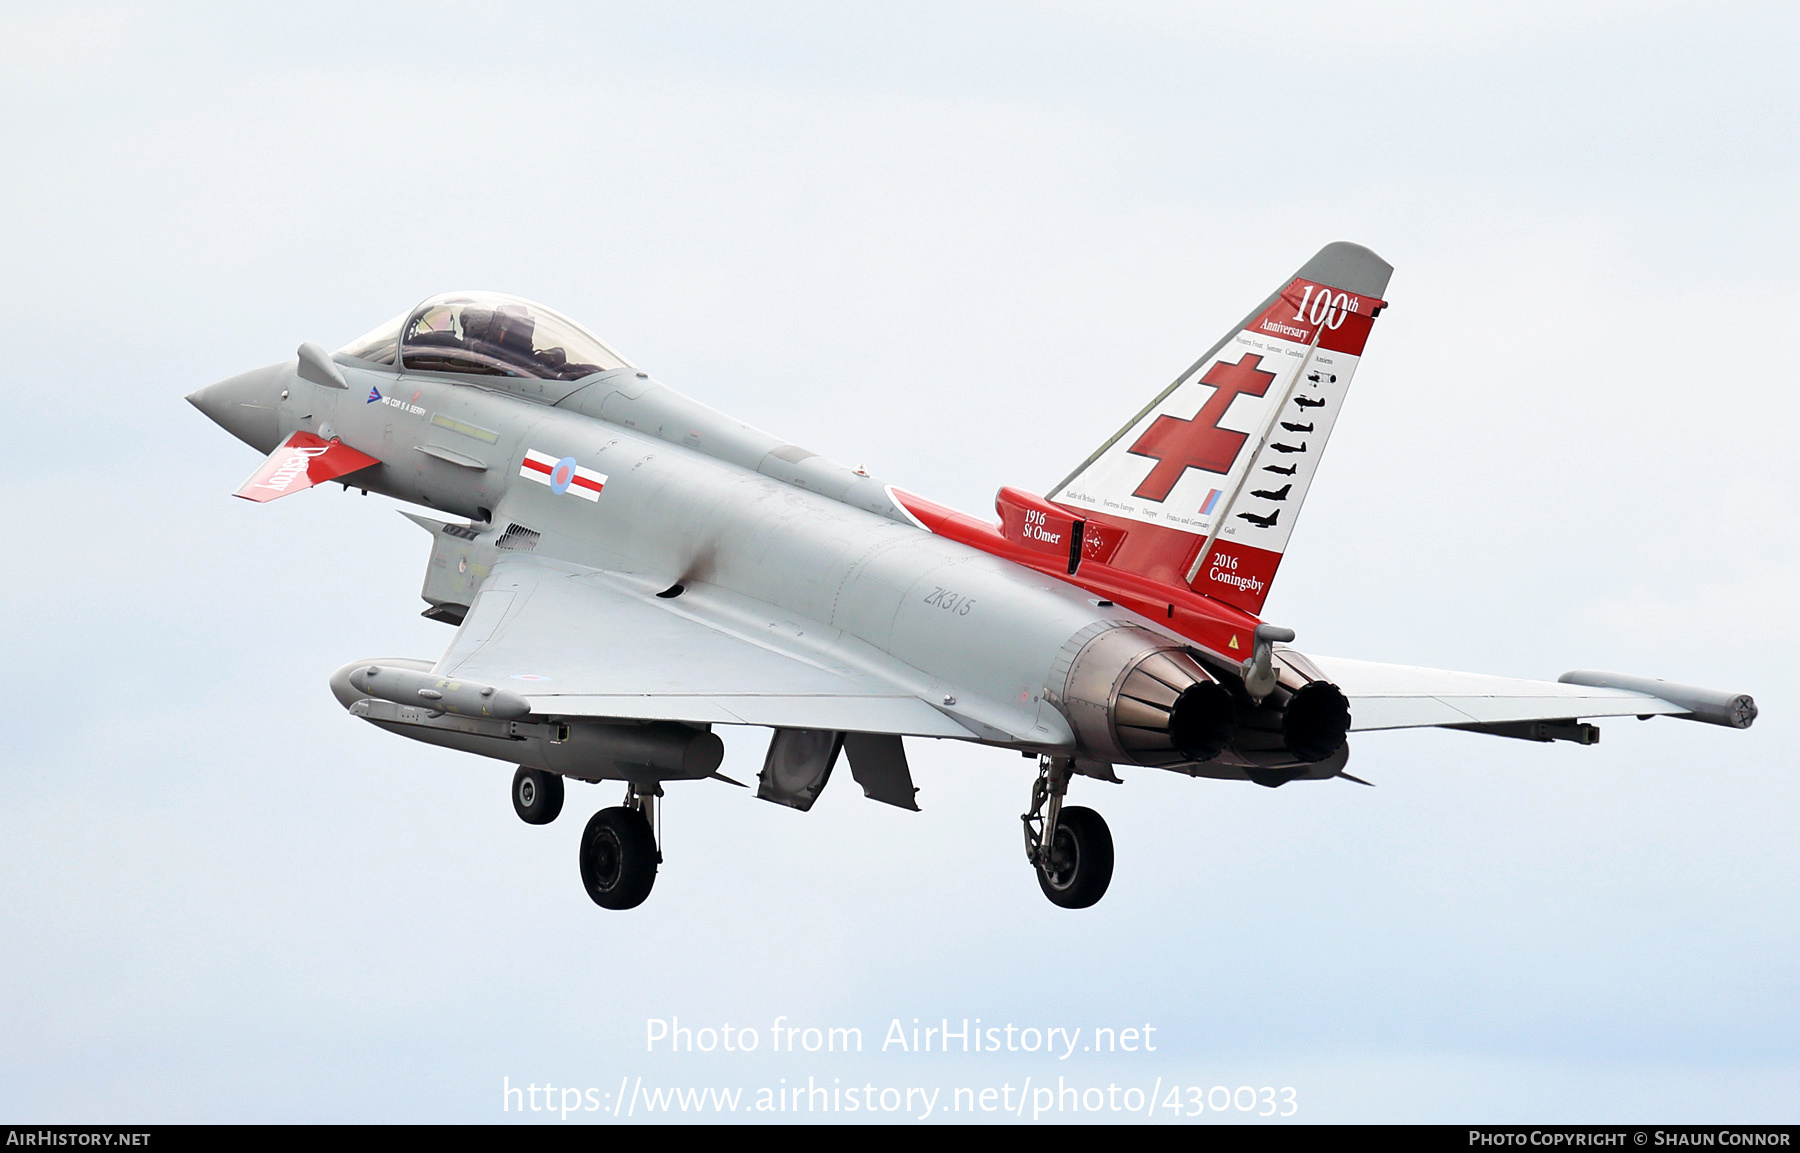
column 626, row 568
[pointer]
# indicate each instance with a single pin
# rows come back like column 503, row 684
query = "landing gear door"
column 878, row 762
column 797, row 766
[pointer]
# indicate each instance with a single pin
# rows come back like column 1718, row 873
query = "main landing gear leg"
column 619, row 853
column 1071, row 848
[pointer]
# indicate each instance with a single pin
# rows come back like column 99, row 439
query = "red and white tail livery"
column 1203, row 486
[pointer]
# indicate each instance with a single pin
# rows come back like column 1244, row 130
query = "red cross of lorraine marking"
column 1178, row 445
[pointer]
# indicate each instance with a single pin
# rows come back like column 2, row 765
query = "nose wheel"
column 1070, row 847
column 537, row 796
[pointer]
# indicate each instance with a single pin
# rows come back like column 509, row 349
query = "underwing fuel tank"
column 386, row 693
column 405, row 686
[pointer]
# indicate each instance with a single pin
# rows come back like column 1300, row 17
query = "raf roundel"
column 562, row 475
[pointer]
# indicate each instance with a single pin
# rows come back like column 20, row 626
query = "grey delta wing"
column 626, row 569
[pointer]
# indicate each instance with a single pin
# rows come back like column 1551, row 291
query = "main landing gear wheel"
column 1080, row 864
column 1071, row 848
column 618, row 858
column 537, row 795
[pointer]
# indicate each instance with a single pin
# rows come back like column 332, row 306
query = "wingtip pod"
column 1712, row 706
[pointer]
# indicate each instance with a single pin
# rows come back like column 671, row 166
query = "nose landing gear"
column 537, row 796
column 1071, row 848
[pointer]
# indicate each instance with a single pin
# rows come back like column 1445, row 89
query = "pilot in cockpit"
column 491, row 335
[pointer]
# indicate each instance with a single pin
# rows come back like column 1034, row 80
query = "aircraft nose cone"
column 247, row 405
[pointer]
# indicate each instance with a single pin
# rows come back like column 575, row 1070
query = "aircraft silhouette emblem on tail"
column 1176, row 470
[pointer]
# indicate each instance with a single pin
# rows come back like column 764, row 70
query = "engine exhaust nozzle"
column 1135, row 699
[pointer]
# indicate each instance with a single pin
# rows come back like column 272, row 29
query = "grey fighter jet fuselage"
column 628, row 568
column 697, row 500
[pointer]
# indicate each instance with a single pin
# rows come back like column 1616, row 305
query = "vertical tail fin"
column 1203, row 486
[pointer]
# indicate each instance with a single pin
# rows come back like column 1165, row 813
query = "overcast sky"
column 958, row 244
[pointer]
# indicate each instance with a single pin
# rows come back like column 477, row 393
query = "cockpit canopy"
column 488, row 334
